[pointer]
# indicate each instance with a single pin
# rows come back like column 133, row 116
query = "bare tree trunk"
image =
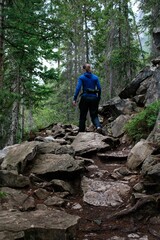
column 86, row 35
column 14, row 123
column 138, row 36
column 1, row 41
column 30, row 120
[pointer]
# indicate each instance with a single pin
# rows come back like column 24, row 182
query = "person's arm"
column 99, row 89
column 78, row 88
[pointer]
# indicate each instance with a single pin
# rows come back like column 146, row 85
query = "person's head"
column 87, row 67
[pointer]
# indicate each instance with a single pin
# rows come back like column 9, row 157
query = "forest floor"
column 96, row 223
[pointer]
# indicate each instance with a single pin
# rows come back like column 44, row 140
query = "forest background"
column 43, row 45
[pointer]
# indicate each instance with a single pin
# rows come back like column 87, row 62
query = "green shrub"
column 2, row 194
column 142, row 124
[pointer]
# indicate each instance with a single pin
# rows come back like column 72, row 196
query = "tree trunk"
column 1, row 41
column 86, row 35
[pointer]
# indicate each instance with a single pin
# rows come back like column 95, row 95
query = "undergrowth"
column 2, row 194
column 142, row 124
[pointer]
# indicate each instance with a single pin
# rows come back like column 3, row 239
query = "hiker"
column 90, row 97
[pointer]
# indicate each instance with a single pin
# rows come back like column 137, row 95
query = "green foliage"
column 2, row 194
column 101, row 32
column 142, row 124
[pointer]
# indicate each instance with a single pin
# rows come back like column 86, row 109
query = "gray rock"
column 52, row 163
column 89, row 142
column 17, row 157
column 118, row 155
column 9, row 179
column 56, row 148
column 101, row 193
column 44, row 225
column 41, row 193
column 138, row 154
column 156, row 34
column 151, row 167
column 54, row 201
column 130, row 90
column 154, row 136
column 16, row 199
column 117, row 126
column 62, row 186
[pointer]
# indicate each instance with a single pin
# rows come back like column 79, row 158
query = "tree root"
column 141, row 202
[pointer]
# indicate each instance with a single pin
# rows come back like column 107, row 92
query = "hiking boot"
column 99, row 130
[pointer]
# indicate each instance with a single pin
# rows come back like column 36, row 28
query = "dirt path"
column 96, row 222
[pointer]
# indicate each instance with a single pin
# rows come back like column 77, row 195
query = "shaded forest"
column 43, row 45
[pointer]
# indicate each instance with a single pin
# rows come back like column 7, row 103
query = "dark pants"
column 88, row 103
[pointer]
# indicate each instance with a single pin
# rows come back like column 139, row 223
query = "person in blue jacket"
column 90, row 97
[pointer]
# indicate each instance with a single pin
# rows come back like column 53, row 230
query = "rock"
column 155, row 220
column 138, row 187
column 18, row 156
column 54, row 201
column 62, row 186
column 16, row 199
column 9, row 179
column 58, row 131
column 117, row 126
column 154, row 136
column 156, row 36
column 101, row 193
column 156, row 61
column 114, row 155
column 76, row 206
column 138, row 154
column 52, row 164
column 124, row 171
column 44, row 225
column 115, row 107
column 56, row 148
column 130, row 90
column 89, row 142
column 41, row 193
column 45, row 139
column 151, row 167
column 153, row 88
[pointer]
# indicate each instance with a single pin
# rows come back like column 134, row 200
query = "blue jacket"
column 87, row 81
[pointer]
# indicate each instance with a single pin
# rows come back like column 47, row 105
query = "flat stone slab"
column 117, row 155
column 52, row 163
column 44, row 225
column 101, row 193
column 89, row 142
column 55, row 148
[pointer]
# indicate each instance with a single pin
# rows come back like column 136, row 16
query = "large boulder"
column 52, row 165
column 88, row 142
column 117, row 126
column 138, row 154
column 54, row 147
column 44, row 225
column 115, row 107
column 18, row 156
column 130, row 90
column 151, row 167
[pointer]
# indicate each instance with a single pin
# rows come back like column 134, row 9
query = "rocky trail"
column 103, row 222
column 93, row 197
column 63, row 185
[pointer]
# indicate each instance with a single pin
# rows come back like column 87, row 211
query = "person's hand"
column 74, row 103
